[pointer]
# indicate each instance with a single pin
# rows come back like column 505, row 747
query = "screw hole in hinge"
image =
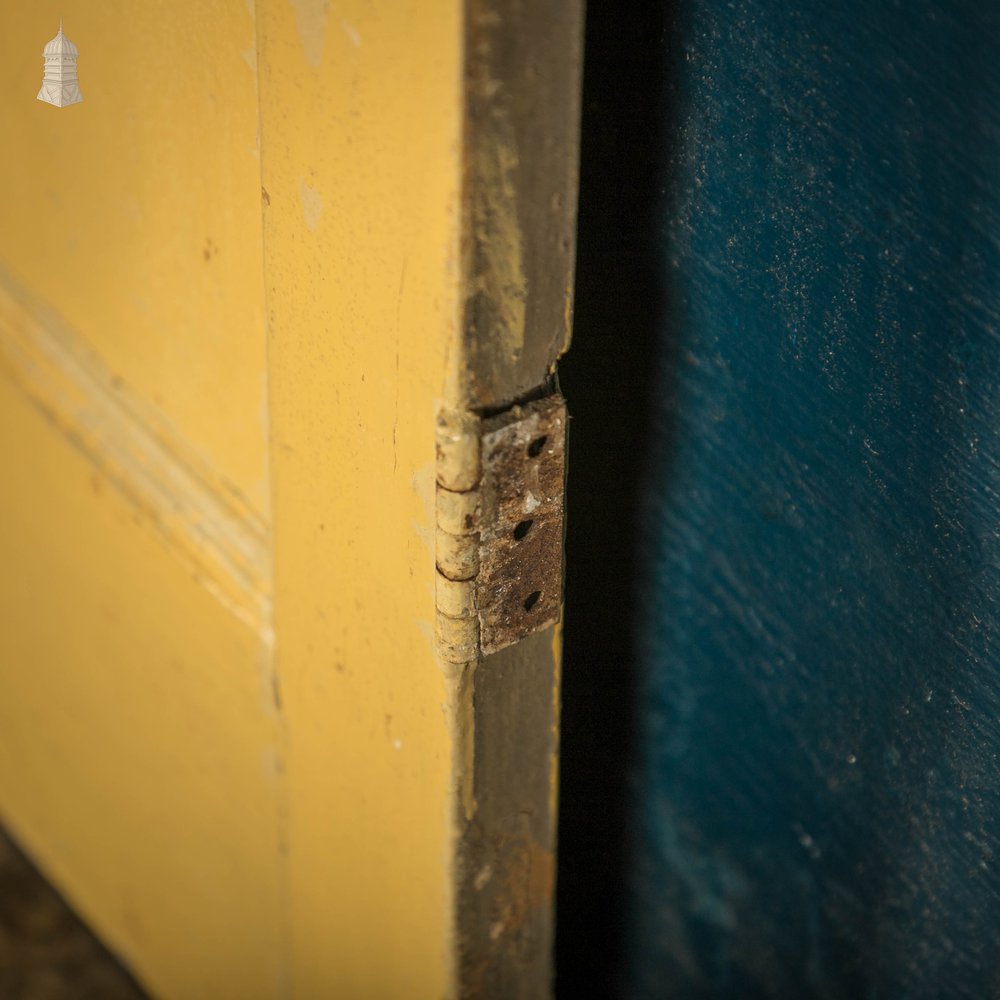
column 536, row 446
column 532, row 599
column 522, row 529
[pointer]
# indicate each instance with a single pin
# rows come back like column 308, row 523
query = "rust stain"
column 529, row 881
column 519, row 586
column 518, row 883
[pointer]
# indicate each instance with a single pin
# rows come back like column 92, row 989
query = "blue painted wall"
column 818, row 807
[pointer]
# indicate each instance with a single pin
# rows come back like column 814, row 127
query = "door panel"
column 234, row 315
column 137, row 735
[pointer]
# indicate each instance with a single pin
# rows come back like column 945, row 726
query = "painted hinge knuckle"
column 456, row 599
column 458, row 461
column 457, row 540
column 500, row 509
column 458, row 638
column 457, row 555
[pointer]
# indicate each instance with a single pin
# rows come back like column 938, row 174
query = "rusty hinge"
column 500, row 499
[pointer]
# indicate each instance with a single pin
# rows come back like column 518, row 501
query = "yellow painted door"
column 273, row 297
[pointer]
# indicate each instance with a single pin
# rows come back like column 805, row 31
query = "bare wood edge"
column 506, row 854
column 203, row 521
column 523, row 68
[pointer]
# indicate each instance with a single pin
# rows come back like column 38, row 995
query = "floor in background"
column 46, row 952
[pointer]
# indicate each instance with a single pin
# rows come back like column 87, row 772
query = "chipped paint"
column 521, row 117
column 498, row 290
column 312, row 205
column 310, row 20
column 352, row 33
column 466, row 728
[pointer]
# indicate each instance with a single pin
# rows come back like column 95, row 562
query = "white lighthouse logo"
column 60, row 86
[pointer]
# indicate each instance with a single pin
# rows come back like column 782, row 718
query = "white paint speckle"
column 530, row 503
column 352, row 33
column 310, row 19
column 312, row 205
column 810, row 845
column 397, row 744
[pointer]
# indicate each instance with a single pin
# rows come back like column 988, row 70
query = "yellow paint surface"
column 136, row 737
column 360, row 135
column 137, row 211
column 244, row 803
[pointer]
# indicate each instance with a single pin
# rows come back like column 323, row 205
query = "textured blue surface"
column 818, row 808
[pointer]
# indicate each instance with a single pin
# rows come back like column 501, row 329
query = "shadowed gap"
column 607, row 378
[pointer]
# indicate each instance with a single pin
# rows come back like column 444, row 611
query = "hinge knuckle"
column 457, row 555
column 458, row 513
column 458, row 460
column 456, row 598
column 458, row 638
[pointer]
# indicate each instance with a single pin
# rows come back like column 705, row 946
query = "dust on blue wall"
column 818, row 807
